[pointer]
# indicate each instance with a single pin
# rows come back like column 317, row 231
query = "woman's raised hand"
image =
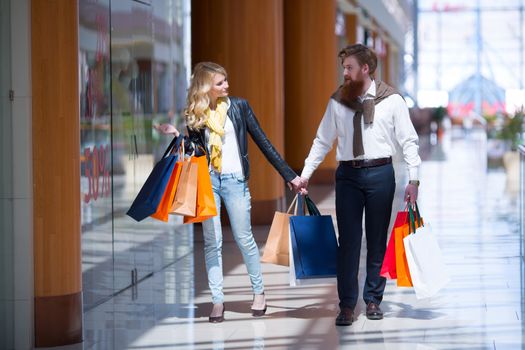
column 166, row 129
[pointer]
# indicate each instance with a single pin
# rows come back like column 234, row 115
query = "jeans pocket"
column 239, row 177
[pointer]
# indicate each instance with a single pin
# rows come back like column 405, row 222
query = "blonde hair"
column 198, row 100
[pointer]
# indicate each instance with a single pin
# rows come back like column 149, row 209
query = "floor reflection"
column 474, row 219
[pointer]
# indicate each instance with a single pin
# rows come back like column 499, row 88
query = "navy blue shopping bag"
column 150, row 194
column 314, row 242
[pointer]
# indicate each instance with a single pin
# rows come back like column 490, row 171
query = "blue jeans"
column 233, row 190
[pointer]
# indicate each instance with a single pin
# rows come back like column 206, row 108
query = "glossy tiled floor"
column 471, row 209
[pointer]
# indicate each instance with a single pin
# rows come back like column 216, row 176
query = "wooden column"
column 374, row 38
column 246, row 38
column 56, row 169
column 310, row 78
column 386, row 65
column 351, row 23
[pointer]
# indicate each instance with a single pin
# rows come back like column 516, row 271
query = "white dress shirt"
column 231, row 160
column 391, row 128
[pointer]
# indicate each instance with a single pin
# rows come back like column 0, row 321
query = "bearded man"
column 370, row 120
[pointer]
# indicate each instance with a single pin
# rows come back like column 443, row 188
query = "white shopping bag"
column 425, row 262
column 293, row 280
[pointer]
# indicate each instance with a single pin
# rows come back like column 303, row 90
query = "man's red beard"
column 353, row 88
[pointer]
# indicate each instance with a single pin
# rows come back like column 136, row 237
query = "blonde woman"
column 219, row 126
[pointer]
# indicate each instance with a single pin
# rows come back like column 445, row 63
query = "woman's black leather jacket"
column 244, row 121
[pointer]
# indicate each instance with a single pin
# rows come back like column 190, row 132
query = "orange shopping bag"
column 402, row 270
column 206, row 207
column 169, row 194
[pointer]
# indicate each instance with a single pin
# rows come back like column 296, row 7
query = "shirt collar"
column 370, row 93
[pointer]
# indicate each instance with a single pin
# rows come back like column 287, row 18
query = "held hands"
column 166, row 129
column 411, row 194
column 299, row 185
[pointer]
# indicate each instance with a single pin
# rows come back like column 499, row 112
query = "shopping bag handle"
column 306, row 200
column 181, row 151
column 411, row 221
column 174, row 145
column 413, row 216
column 293, row 205
column 300, row 208
column 417, row 215
column 312, row 208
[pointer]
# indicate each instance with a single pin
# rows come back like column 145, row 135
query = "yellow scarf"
column 215, row 122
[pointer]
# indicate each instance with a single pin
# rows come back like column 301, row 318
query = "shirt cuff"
column 413, row 173
column 307, row 172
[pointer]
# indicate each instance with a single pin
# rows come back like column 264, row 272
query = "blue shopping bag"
column 150, row 194
column 314, row 243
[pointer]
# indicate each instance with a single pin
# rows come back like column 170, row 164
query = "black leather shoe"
column 373, row 312
column 345, row 317
column 217, row 319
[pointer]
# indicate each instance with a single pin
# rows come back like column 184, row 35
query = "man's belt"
column 367, row 163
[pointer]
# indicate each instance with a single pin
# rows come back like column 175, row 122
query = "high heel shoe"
column 214, row 311
column 260, row 305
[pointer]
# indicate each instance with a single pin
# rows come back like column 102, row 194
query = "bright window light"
column 514, row 99
column 432, row 98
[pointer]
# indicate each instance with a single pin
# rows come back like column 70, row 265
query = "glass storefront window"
column 133, row 72
column 95, row 148
column 6, row 184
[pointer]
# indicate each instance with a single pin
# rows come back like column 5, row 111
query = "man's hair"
column 363, row 55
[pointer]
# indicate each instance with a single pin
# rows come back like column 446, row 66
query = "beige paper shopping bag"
column 185, row 200
column 276, row 250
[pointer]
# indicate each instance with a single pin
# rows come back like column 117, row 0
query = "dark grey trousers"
column 369, row 190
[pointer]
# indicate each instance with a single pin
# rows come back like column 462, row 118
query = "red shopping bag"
column 388, row 269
